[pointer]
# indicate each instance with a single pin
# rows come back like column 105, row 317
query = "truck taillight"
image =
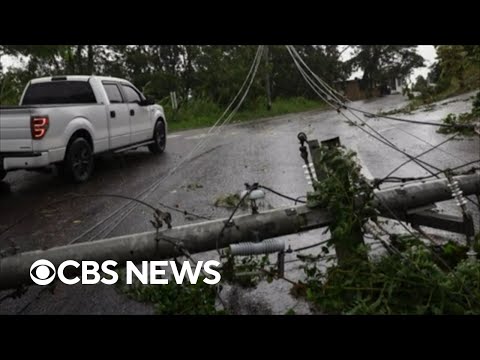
column 39, row 126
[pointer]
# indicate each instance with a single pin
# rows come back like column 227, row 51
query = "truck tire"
column 78, row 164
column 3, row 173
column 159, row 139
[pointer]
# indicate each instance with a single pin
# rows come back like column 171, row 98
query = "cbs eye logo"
column 42, row 272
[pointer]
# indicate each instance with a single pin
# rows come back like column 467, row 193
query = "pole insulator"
column 265, row 247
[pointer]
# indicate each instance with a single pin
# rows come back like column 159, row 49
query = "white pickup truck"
column 66, row 120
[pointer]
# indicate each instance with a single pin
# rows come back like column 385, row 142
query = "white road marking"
column 199, row 136
column 364, row 170
column 387, row 129
column 173, row 136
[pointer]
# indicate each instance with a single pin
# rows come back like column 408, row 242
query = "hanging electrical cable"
column 327, row 97
column 332, row 91
column 129, row 207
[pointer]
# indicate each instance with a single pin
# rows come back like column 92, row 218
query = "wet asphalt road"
column 264, row 151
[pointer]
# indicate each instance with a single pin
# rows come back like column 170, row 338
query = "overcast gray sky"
column 427, row 51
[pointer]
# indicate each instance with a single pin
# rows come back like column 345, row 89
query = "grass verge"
column 203, row 113
column 427, row 101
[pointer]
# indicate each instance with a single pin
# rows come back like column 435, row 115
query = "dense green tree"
column 458, row 67
column 380, row 63
column 192, row 71
column 434, row 73
column 421, row 84
column 324, row 60
column 473, row 53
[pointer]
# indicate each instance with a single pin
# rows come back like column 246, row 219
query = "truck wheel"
column 159, row 139
column 78, row 164
column 3, row 173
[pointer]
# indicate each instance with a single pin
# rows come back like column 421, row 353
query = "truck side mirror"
column 146, row 102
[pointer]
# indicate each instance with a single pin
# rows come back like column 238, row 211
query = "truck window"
column 113, row 93
column 59, row 92
column 131, row 94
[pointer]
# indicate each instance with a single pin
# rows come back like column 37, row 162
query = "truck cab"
column 66, row 120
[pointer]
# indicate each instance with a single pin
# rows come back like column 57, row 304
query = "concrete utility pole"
column 344, row 251
column 205, row 236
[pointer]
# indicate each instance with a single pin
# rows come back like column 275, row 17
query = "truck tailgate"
column 15, row 132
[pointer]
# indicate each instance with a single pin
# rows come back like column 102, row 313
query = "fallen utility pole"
column 168, row 243
column 205, row 236
column 416, row 195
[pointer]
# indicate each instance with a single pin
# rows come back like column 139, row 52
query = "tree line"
column 213, row 72
column 201, row 71
column 456, row 70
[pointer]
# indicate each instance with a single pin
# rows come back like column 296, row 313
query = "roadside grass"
column 453, row 120
column 470, row 118
column 418, row 102
column 428, row 99
column 203, row 113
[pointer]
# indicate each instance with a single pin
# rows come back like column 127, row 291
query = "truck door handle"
column 132, row 112
column 112, row 114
